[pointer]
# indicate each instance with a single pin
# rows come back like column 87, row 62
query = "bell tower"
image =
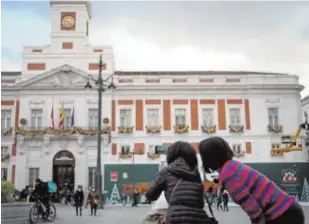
column 70, row 23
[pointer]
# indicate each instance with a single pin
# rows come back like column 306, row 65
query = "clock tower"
column 70, row 24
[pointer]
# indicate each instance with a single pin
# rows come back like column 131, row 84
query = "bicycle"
column 39, row 209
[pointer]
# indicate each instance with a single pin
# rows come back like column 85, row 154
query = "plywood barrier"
column 209, row 184
column 140, row 187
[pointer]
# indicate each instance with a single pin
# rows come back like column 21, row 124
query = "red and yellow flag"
column 61, row 116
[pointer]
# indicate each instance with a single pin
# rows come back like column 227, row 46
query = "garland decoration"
column 275, row 128
column 181, row 128
column 153, row 155
column 209, row 129
column 59, row 132
column 236, row 128
column 125, row 130
column 275, row 152
column 7, row 132
column 5, row 157
column 239, row 154
column 153, row 130
column 125, row 155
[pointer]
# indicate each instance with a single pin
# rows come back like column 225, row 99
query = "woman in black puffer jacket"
column 187, row 203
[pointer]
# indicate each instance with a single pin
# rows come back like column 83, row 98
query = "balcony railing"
column 7, row 132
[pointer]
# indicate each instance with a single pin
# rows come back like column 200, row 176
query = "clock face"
column 68, row 21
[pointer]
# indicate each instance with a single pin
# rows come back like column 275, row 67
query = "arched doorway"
column 63, row 170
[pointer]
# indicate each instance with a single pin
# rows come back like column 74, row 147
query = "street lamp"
column 103, row 85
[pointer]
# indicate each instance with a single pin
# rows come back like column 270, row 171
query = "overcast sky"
column 259, row 36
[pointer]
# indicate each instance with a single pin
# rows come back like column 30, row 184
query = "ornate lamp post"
column 102, row 85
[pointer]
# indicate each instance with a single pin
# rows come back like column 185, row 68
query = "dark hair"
column 216, row 181
column 214, row 151
column 38, row 180
column 183, row 150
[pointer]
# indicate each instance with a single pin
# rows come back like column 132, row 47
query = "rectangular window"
column 237, row 148
column 235, row 116
column 36, row 119
column 126, row 118
column 180, row 116
column 93, row 119
column 273, row 116
column 91, row 176
column 4, row 174
column 125, row 149
column 6, row 119
column 151, row 148
column 4, row 151
column 34, row 173
column 153, row 119
column 161, row 149
column 208, row 117
column 67, row 118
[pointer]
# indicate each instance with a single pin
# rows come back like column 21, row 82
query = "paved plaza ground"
column 129, row 215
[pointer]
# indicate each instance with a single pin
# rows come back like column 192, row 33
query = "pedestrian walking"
column 225, row 197
column 259, row 197
column 219, row 201
column 79, row 199
column 124, row 199
column 209, row 196
column 93, row 200
column 135, row 198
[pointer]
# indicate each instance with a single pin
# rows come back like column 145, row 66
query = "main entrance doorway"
column 63, row 170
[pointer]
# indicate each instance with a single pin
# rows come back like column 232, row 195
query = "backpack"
column 52, row 187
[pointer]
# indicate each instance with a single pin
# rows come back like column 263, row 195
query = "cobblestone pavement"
column 129, row 215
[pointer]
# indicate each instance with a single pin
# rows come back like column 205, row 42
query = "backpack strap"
column 174, row 189
column 210, row 209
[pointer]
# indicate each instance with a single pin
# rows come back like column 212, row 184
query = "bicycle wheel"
column 52, row 213
column 34, row 215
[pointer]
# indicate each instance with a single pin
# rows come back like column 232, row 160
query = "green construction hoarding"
column 119, row 178
column 291, row 177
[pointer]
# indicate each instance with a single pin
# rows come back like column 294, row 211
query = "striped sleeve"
column 242, row 196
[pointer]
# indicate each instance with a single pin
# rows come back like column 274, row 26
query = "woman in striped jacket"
column 259, row 197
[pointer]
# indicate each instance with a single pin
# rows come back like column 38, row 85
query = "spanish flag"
column 61, row 116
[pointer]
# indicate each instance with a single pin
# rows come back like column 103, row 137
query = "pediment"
column 63, row 76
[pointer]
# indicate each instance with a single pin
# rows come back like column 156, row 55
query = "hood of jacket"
column 181, row 169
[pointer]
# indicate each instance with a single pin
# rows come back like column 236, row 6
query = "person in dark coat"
column 225, row 197
column 79, row 199
column 24, row 193
column 219, row 201
column 187, row 204
column 41, row 191
column 135, row 198
column 124, row 199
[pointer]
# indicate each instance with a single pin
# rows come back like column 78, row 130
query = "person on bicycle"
column 41, row 191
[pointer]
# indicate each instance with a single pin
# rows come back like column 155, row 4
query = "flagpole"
column 52, row 115
column 62, row 109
